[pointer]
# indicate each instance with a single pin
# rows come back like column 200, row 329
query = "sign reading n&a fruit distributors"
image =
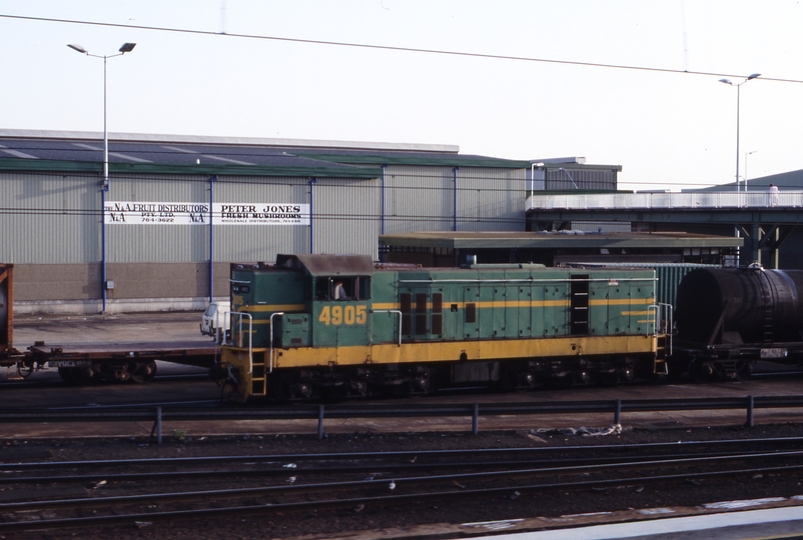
column 157, row 213
column 177, row 213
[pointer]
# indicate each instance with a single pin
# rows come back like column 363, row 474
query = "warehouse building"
column 160, row 234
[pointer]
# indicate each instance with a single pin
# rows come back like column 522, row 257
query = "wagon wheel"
column 744, row 371
column 144, row 373
column 700, row 371
column 25, row 368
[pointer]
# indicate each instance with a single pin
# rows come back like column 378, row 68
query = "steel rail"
column 396, row 454
column 340, row 503
column 367, row 468
column 155, row 498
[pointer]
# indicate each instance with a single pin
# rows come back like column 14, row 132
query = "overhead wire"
column 390, row 48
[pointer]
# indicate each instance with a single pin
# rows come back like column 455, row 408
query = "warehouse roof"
column 83, row 151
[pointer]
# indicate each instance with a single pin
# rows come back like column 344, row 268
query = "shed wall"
column 419, row 198
column 49, row 218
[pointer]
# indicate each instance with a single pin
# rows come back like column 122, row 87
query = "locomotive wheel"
column 359, row 388
column 144, row 373
column 701, row 372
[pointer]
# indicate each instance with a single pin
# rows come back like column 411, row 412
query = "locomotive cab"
column 318, row 303
column 340, row 310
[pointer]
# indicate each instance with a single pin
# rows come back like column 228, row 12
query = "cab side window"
column 340, row 288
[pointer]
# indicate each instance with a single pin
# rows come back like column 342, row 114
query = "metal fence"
column 474, row 411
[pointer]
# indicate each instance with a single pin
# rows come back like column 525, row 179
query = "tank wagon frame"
column 411, row 330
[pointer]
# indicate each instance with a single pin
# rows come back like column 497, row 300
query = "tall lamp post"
column 728, row 81
column 125, row 48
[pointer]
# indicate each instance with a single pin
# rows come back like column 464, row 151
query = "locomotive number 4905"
column 337, row 315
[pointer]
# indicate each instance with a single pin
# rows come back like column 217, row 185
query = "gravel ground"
column 371, row 521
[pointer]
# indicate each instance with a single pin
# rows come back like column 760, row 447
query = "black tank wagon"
column 729, row 318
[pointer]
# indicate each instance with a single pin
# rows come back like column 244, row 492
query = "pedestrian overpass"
column 764, row 219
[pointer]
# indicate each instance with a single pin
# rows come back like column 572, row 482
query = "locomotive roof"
column 328, row 265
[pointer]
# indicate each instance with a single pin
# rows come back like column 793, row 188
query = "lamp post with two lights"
column 738, row 88
column 125, row 48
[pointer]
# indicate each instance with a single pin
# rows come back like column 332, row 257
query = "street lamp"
column 125, row 48
column 727, row 81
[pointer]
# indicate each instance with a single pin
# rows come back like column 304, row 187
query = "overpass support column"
column 755, row 243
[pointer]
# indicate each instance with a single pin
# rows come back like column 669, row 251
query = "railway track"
column 48, row 495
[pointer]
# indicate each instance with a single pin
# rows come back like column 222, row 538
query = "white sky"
column 667, row 130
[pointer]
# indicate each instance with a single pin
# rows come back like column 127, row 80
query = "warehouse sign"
column 173, row 213
column 260, row 214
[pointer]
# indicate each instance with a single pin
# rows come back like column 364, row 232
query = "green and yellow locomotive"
column 337, row 325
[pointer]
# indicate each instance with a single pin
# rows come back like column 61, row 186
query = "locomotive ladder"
column 660, row 367
column 259, row 379
column 579, row 304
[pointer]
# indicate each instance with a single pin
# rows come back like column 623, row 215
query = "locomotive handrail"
column 400, row 319
column 270, row 361
column 663, row 323
column 241, row 315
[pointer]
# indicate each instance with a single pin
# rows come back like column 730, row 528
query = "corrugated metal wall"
column 49, row 218
column 421, row 198
column 346, row 216
column 418, row 198
column 491, row 199
column 558, row 180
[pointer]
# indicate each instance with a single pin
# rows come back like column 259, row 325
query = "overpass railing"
column 663, row 200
